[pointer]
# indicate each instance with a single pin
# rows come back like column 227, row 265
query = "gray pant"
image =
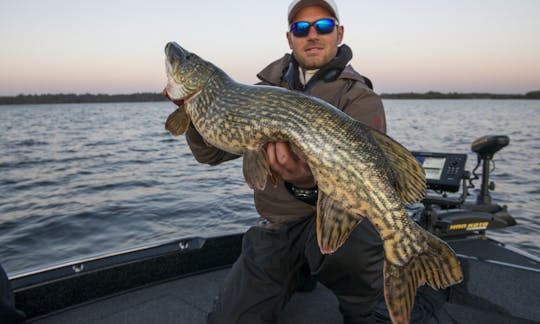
column 273, row 263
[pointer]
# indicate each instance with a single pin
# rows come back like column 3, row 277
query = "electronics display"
column 443, row 170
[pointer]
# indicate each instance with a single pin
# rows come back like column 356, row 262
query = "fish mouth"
column 176, row 89
column 170, row 90
column 173, row 49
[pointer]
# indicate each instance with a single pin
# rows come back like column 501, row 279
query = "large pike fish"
column 360, row 172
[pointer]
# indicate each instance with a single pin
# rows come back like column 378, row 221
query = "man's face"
column 314, row 51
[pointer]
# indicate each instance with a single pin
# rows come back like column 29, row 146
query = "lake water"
column 81, row 179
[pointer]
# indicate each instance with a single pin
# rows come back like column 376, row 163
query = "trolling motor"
column 485, row 147
column 445, row 173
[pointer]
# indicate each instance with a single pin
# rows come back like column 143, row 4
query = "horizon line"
column 153, row 93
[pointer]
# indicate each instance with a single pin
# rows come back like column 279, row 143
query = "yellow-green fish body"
column 360, row 172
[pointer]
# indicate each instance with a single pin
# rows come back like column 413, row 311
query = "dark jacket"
column 338, row 84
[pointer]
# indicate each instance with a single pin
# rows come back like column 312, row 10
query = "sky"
column 116, row 46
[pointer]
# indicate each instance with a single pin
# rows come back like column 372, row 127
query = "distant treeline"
column 457, row 95
column 80, row 98
column 147, row 96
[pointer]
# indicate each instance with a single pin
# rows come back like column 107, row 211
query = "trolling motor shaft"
column 485, row 147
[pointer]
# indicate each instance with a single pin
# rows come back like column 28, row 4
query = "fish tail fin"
column 438, row 266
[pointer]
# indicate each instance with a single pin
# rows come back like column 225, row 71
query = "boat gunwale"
column 118, row 271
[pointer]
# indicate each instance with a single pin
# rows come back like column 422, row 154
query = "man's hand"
column 286, row 161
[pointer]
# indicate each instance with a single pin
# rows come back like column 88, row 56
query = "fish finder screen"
column 444, row 171
column 433, row 166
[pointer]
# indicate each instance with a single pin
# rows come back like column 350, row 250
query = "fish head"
column 187, row 73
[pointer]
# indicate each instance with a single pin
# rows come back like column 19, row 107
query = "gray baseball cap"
column 297, row 5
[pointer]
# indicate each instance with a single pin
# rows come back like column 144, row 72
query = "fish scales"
column 360, row 172
column 277, row 117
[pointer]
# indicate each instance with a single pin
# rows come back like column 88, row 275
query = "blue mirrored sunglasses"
column 322, row 26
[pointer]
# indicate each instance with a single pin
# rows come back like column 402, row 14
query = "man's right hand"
column 287, row 162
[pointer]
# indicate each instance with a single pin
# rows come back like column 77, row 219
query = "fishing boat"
column 176, row 281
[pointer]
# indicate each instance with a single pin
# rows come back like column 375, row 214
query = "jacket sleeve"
column 355, row 99
column 365, row 106
column 203, row 152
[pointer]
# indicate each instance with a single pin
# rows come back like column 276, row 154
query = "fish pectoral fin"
column 408, row 174
column 256, row 169
column 334, row 224
column 438, row 266
column 178, row 121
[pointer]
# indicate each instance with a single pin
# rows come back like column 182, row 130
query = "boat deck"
column 188, row 299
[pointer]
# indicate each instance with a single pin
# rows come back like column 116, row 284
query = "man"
column 281, row 250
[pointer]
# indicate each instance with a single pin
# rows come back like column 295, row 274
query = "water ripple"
column 86, row 178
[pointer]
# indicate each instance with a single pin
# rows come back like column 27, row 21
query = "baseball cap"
column 297, row 5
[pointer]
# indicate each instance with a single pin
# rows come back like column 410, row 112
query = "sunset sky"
column 116, row 46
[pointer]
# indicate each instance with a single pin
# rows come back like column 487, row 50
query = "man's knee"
column 354, row 273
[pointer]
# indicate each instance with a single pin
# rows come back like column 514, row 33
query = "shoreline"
column 153, row 97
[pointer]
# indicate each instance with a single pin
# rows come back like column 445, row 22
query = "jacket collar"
column 328, row 73
column 286, row 70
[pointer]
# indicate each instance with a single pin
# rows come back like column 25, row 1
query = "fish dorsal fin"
column 408, row 174
column 178, row 121
column 334, row 224
column 256, row 169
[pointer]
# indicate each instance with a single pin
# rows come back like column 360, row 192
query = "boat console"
column 455, row 215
